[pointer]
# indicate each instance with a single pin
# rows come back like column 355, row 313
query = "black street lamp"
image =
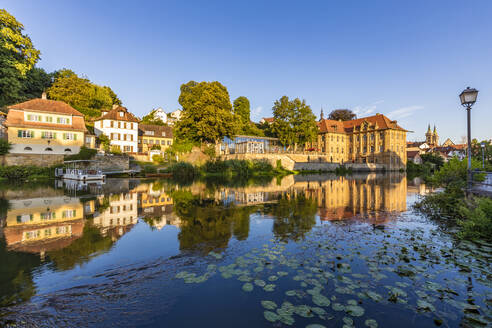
column 468, row 97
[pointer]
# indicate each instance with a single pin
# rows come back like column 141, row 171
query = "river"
column 301, row 251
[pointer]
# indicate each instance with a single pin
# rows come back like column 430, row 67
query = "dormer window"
column 121, row 114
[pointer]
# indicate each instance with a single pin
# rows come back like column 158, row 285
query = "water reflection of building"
column 119, row 217
column 417, row 186
column 156, row 206
column 37, row 225
column 373, row 196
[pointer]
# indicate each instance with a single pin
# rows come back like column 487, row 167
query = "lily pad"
column 269, row 305
column 354, row 310
column 248, row 287
column 371, row 323
column 271, row 316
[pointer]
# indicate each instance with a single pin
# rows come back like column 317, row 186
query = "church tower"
column 429, row 136
column 435, row 137
column 322, row 116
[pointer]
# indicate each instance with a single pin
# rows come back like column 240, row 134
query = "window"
column 121, row 114
column 48, row 149
column 372, row 136
column 124, row 137
column 48, row 135
column 111, row 124
column 163, row 134
column 119, row 125
column 372, row 149
column 169, row 142
column 25, row 134
column 24, row 218
column 68, row 150
column 127, row 148
column 131, row 137
column 34, row 118
column 151, row 141
column 149, row 133
column 124, row 125
column 49, row 119
column 69, row 136
column 145, row 141
column 28, row 148
column 365, row 149
column 48, row 216
column 62, row 120
column 69, row 214
column 381, row 149
column 337, row 138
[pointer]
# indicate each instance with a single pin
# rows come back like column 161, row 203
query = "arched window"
column 48, row 149
column 28, row 148
column 68, row 150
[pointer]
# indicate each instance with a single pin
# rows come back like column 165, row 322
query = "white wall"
column 104, row 127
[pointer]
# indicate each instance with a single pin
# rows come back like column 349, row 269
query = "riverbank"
column 453, row 206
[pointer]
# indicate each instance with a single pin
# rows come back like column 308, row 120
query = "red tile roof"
column 157, row 129
column 113, row 114
column 15, row 118
column 380, row 120
column 412, row 153
column 269, row 119
column 45, row 105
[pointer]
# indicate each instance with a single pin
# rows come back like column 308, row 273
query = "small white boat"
column 78, row 174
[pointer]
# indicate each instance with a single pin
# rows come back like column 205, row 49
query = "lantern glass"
column 469, row 96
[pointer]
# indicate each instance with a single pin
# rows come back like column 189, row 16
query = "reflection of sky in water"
column 138, row 236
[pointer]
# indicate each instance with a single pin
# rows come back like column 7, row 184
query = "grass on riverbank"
column 473, row 214
column 23, row 173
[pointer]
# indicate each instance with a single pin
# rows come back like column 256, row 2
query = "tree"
column 17, row 47
column 35, row 83
column 207, row 113
column 5, row 147
column 150, row 118
column 81, row 93
column 17, row 57
column 294, row 122
column 104, row 141
column 242, row 110
column 342, row 114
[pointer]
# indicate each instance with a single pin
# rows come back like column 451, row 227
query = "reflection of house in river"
column 156, row 206
column 120, row 216
column 37, row 225
column 371, row 195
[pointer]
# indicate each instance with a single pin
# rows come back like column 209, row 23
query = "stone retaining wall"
column 32, row 159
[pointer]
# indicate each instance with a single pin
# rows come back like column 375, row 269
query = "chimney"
column 115, row 106
column 43, row 95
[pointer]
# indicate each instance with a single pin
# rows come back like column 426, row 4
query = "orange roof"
column 331, row 126
column 380, row 120
column 113, row 114
column 16, row 118
column 412, row 154
column 45, row 105
column 269, row 119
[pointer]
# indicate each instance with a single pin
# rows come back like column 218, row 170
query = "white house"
column 161, row 114
column 121, row 127
column 173, row 117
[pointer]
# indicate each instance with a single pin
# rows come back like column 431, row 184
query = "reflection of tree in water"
column 207, row 224
column 16, row 283
column 81, row 249
column 294, row 216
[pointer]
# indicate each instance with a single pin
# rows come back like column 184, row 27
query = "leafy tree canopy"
column 207, row 113
column 19, row 79
column 242, row 110
column 17, row 49
column 81, row 93
column 150, row 118
column 294, row 121
column 342, row 114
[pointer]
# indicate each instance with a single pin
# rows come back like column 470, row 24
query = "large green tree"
column 17, row 59
column 81, row 93
column 207, row 113
column 242, row 110
column 342, row 114
column 294, row 122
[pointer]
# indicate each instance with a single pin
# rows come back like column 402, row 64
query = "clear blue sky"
column 406, row 59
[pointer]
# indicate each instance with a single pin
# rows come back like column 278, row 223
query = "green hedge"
column 22, row 173
column 84, row 154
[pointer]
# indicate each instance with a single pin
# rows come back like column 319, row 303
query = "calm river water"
column 302, row 251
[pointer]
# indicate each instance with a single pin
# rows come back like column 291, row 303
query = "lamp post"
column 483, row 154
column 468, row 97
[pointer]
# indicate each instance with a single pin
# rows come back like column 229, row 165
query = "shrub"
column 183, row 171
column 157, row 159
column 477, row 222
column 84, row 154
column 209, row 150
column 5, row 147
column 115, row 150
column 21, row 173
column 156, row 147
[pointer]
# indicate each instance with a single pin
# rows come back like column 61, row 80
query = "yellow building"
column 40, row 224
column 154, row 136
column 42, row 126
column 374, row 139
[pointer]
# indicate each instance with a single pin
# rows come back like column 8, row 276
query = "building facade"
column 374, row 139
column 42, row 126
column 121, row 127
column 150, row 136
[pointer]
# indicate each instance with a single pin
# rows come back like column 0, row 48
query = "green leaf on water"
column 371, row 323
column 269, row 305
column 247, row 287
column 271, row 316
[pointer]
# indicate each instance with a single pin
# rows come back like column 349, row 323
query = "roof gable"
column 46, row 105
column 114, row 114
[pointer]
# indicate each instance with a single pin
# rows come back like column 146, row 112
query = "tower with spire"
column 431, row 137
column 321, row 116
